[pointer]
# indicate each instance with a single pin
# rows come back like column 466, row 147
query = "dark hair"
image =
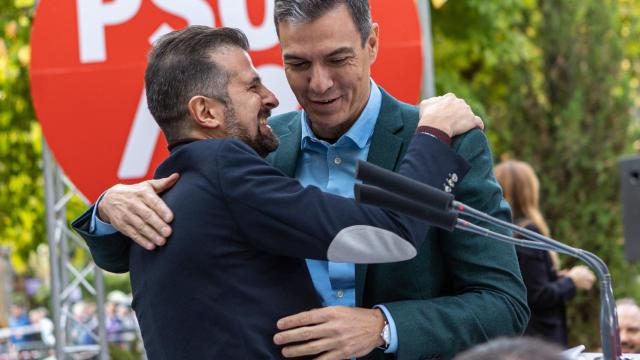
column 306, row 11
column 180, row 67
column 523, row 348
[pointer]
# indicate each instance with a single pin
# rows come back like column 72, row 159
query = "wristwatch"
column 385, row 335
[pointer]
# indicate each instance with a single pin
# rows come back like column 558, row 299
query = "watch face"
column 386, row 334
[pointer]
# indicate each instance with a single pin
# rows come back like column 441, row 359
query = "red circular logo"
column 87, row 74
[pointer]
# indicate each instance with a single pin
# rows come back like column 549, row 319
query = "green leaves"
column 555, row 82
column 22, row 220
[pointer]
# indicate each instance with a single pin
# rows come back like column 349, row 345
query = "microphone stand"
column 422, row 201
column 609, row 331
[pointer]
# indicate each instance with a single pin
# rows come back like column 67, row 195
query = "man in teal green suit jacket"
column 460, row 290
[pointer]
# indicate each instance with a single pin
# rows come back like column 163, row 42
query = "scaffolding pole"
column 68, row 278
column 428, row 71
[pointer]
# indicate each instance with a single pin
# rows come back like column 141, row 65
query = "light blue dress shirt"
column 330, row 167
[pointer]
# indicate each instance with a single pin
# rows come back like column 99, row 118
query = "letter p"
column 93, row 17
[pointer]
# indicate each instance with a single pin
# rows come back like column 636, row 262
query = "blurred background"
column 557, row 83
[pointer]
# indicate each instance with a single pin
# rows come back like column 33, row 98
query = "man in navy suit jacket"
column 235, row 263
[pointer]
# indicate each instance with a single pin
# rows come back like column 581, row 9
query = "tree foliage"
column 630, row 33
column 552, row 82
column 21, row 189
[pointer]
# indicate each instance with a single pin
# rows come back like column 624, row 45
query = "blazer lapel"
column 285, row 158
column 385, row 150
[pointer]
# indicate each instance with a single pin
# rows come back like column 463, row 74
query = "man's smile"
column 325, row 104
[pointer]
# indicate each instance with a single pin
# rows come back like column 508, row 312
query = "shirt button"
column 337, row 160
column 340, row 294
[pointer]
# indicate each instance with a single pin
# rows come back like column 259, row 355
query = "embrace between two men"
column 245, row 226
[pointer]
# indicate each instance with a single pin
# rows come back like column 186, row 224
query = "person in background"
column 524, row 348
column 113, row 322
column 629, row 322
column 129, row 325
column 548, row 288
column 84, row 323
column 19, row 318
column 39, row 318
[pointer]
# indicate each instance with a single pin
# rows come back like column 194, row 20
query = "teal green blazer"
column 461, row 289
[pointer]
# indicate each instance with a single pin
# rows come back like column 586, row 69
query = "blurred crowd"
column 120, row 323
column 30, row 332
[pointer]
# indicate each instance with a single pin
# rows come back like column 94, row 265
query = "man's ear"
column 372, row 44
column 206, row 112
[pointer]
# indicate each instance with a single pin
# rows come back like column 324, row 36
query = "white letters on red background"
column 88, row 60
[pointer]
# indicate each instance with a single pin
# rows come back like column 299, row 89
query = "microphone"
column 373, row 195
column 388, row 180
column 398, row 193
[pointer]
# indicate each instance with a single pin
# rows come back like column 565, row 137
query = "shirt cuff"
column 437, row 133
column 98, row 227
column 393, row 338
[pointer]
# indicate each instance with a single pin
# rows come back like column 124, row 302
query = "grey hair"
column 306, row 11
column 523, row 348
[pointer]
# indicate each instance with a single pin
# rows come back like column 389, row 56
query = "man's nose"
column 624, row 336
column 320, row 80
column 269, row 99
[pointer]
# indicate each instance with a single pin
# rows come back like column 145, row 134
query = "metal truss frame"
column 67, row 278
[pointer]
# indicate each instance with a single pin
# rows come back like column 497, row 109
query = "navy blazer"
column 234, row 263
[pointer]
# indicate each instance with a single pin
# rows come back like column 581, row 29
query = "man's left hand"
column 335, row 332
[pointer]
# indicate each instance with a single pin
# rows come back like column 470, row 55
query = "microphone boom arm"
column 610, row 333
column 396, row 192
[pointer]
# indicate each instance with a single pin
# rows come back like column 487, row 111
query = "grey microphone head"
column 371, row 174
column 367, row 194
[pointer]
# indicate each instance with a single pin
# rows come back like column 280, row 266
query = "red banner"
column 87, row 74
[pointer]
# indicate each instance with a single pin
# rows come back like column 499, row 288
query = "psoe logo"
column 87, row 74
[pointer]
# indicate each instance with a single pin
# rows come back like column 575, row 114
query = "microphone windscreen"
column 388, row 180
column 371, row 195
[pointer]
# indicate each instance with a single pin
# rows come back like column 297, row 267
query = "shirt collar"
column 361, row 131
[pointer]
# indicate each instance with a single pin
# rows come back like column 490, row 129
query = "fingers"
column 300, row 334
column 138, row 211
column 155, row 203
column 311, row 348
column 333, row 355
column 342, row 333
column 311, row 317
column 479, row 122
column 145, row 212
column 131, row 232
column 139, row 231
column 155, row 211
column 164, row 184
column 149, row 224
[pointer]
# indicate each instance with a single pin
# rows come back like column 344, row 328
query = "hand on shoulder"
column 138, row 212
column 448, row 113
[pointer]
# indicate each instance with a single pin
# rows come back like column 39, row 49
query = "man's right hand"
column 448, row 113
column 138, row 212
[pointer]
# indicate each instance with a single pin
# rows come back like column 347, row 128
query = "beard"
column 262, row 143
